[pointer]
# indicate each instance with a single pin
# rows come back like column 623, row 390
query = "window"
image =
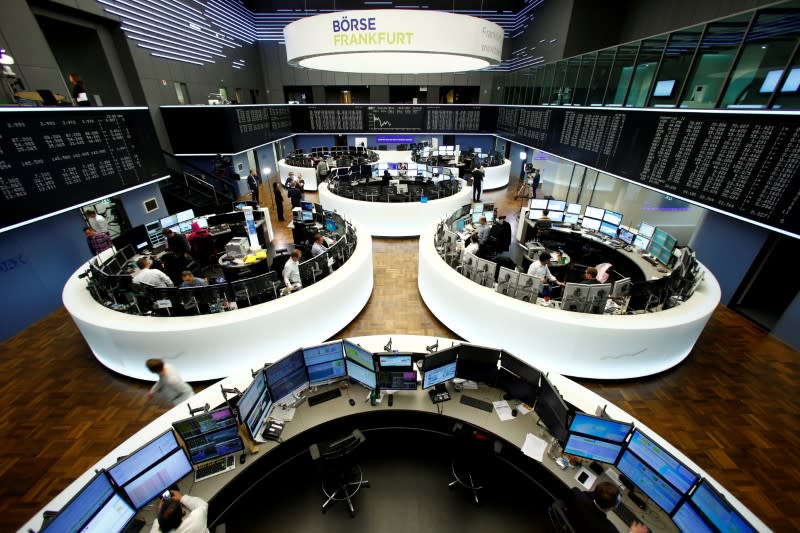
column 674, row 67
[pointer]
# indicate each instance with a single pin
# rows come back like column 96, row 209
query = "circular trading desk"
column 573, row 344
column 497, row 176
column 394, row 219
column 309, row 174
column 412, row 407
column 203, row 346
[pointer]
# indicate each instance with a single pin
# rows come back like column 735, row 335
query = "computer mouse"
column 352, row 401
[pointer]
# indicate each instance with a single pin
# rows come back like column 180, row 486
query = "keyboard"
column 323, row 397
column 626, row 515
column 476, row 403
column 216, row 467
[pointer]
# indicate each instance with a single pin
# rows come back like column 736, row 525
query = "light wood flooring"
column 732, row 406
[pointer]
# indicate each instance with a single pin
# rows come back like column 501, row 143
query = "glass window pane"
column 649, row 56
column 674, row 67
column 768, row 47
column 584, row 77
column 602, row 69
column 557, row 93
column 621, row 74
column 569, row 80
column 789, row 95
column 547, row 83
column 717, row 51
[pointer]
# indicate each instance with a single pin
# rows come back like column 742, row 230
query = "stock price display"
column 395, row 118
column 53, row 160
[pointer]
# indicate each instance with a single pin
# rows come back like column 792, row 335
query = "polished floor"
column 732, row 406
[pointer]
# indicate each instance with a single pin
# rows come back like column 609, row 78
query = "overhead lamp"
column 393, row 41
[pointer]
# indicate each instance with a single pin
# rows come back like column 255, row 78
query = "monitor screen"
column 286, row 376
column 662, row 462
column 204, row 422
column 383, row 166
column 435, row 376
column 395, row 361
column 307, row 206
column 308, row 216
column 82, row 507
column 363, row 375
column 323, row 353
column 602, row 428
column 254, row 404
column 651, row 483
column 326, row 372
column 477, row 207
column 392, row 166
column 518, row 379
column 661, row 245
column 613, row 217
column 158, row 478
column 535, row 214
column 113, row 516
column 771, row 81
column 356, row 353
column 440, row 358
column 626, row 236
column 168, row 222
column 552, row 410
column 574, row 208
column 594, row 212
column 489, row 216
column 214, row 444
column 591, row 224
column 663, row 88
column 185, row 216
column 594, row 449
column 608, row 229
column 476, row 217
column 646, row 229
column 397, row 380
column 792, row 82
column 476, row 363
column 570, row 218
column 459, row 225
column 556, row 205
column 641, row 242
column 717, row 509
column 140, row 460
column 688, row 520
column 538, row 203
column 556, row 216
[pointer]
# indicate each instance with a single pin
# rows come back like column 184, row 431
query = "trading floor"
column 730, row 406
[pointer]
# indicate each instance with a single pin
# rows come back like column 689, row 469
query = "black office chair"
column 472, row 459
column 558, row 517
column 342, row 477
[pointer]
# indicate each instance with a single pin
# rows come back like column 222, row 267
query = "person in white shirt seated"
column 472, row 247
column 318, row 248
column 151, row 276
column 291, row 272
column 539, row 269
column 171, row 515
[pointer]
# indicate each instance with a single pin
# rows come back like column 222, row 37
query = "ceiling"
column 475, row 6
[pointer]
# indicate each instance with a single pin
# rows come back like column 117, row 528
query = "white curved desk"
column 514, row 431
column 496, row 177
column 394, row 219
column 309, row 174
column 202, row 347
column 573, row 344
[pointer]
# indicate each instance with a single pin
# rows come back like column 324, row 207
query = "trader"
column 253, row 183
column 177, row 243
column 483, row 231
column 97, row 241
column 190, row 281
column 169, row 385
column 539, row 269
column 291, row 272
column 295, row 194
column 151, row 276
column 587, row 510
column 318, row 247
column 590, row 276
column 172, row 518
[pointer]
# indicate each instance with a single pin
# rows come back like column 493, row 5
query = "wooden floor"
column 732, row 406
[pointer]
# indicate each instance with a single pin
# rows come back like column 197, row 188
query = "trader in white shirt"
column 150, row 276
column 318, row 247
column 291, row 272
column 97, row 222
column 171, row 516
column 539, row 269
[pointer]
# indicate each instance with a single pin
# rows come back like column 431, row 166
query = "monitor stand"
column 439, row 393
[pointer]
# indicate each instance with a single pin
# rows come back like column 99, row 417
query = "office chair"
column 558, row 517
column 342, row 476
column 471, row 461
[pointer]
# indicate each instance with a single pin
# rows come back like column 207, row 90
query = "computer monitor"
column 254, row 404
column 556, row 216
column 152, row 482
column 354, row 352
column 661, row 246
column 663, row 462
column 608, row 229
column 205, row 422
column 626, row 236
column 646, row 229
column 395, row 361
column 689, row 520
column 593, row 449
column 477, row 207
column 79, row 511
column 397, row 380
column 591, row 224
column 597, row 298
column 556, row 205
column 361, row 374
column 287, row 376
column 477, row 363
column 322, row 353
column 641, row 242
column 717, row 510
column 570, row 218
column 518, row 379
column 383, row 166
column 653, row 485
column 612, row 217
column 535, row 214
column 594, row 212
column 574, row 208
column 113, row 516
column 168, row 222
column 392, row 166
column 663, row 87
column 459, row 225
column 214, row 444
column 307, row 206
column 575, row 297
column 622, row 288
column 528, row 288
column 143, row 458
column 325, row 363
column 538, row 203
column 601, row 428
column 308, row 216
column 438, row 375
column 552, row 410
column 185, row 216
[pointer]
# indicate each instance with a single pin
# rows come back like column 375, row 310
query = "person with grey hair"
column 150, row 276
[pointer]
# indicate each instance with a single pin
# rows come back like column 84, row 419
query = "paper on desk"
column 524, row 408
column 503, row 410
column 534, row 447
column 279, row 413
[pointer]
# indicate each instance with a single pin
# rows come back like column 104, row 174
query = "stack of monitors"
column 626, row 236
column 552, row 410
column 254, row 404
column 592, row 218
column 537, row 206
column 609, row 226
column 185, row 220
column 477, row 363
column 287, row 377
column 661, row 246
column 656, row 472
column 150, row 470
column 439, row 367
column 642, row 239
column 572, row 213
column 518, row 379
column 210, row 435
column 556, row 210
column 97, row 508
column 360, row 365
column 598, row 439
column 396, row 372
column 707, row 503
column 325, row 363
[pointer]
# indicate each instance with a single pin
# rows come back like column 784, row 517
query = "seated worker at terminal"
column 96, row 240
column 473, row 247
column 483, row 231
column 169, row 386
column 590, row 276
column 587, row 510
column 540, row 269
column 198, row 232
column 190, row 281
column 545, row 216
column 291, row 272
column 318, row 247
column 171, row 516
column 150, row 276
column 177, row 243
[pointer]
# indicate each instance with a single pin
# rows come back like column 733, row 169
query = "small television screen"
column 649, row 481
column 477, row 363
column 556, row 205
column 556, row 216
column 308, row 216
column 602, row 428
column 389, row 380
column 538, row 203
column 717, row 509
column 626, row 236
column 437, row 375
column 646, row 229
column 141, row 490
column 214, row 444
column 594, row 212
column 641, row 242
column 591, row 224
column 663, row 88
column 476, row 217
column 395, row 361
column 574, row 208
column 594, row 449
column 363, row 375
column 204, row 422
column 660, row 460
column 140, row 460
column 168, row 222
column 79, row 510
column 608, row 229
column 287, row 376
column 612, row 217
column 689, row 520
column 552, row 410
column 570, row 218
column 354, row 352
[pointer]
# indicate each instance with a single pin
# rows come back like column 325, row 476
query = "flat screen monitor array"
column 557, row 209
column 97, row 508
column 552, row 409
column 210, row 435
column 661, row 246
column 254, row 404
